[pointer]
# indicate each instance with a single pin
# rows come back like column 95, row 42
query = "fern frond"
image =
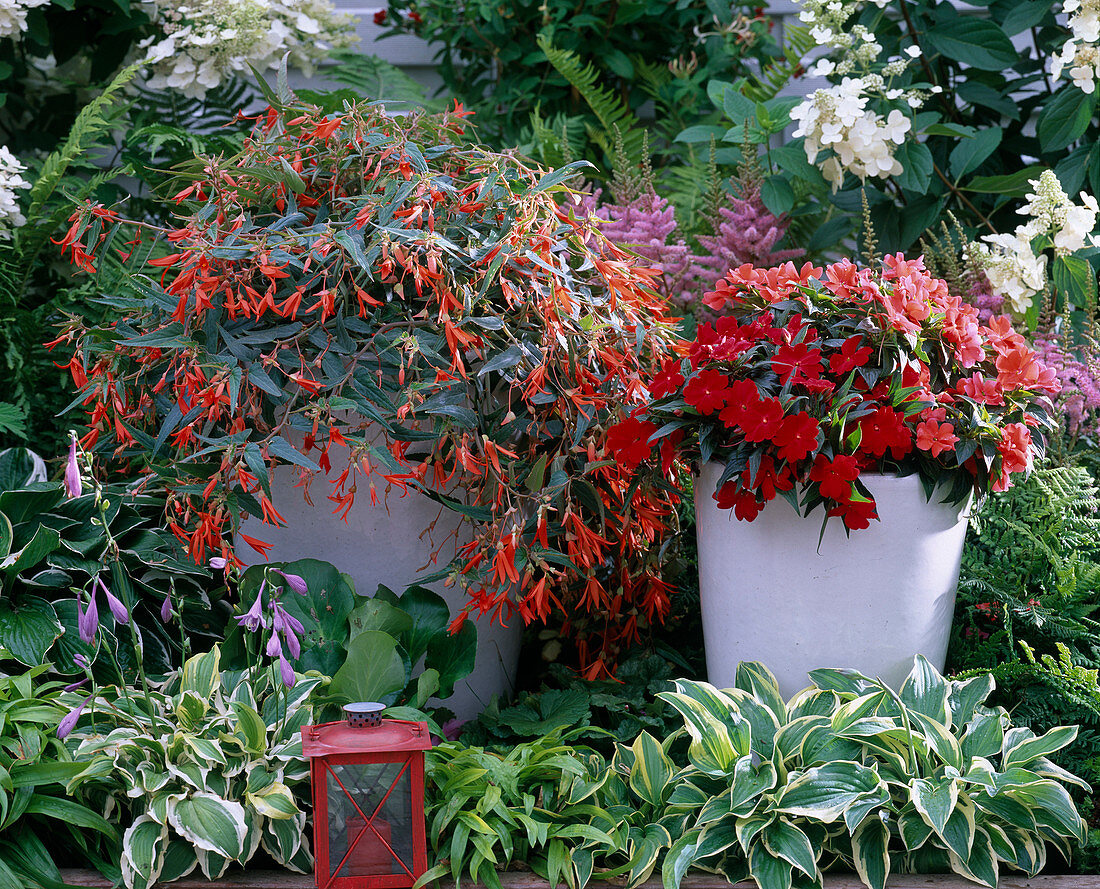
column 610, row 110
column 90, row 123
column 778, row 74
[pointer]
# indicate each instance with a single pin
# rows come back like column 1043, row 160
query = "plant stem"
column 963, row 199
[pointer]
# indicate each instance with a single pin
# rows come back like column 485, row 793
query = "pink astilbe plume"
column 646, row 224
column 1080, row 378
column 980, row 295
column 747, row 233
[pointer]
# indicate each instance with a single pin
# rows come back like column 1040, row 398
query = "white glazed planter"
column 870, row 602
column 387, row 544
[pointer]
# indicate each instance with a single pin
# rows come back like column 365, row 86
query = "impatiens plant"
column 850, row 773
column 360, row 281
column 811, row 379
column 200, row 772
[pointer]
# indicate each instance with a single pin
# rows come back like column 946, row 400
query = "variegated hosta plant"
column 851, row 774
column 201, row 771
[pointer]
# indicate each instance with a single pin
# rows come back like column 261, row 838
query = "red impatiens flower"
column 856, row 514
column 1015, row 447
column 768, row 480
column 936, row 437
column 380, row 17
column 835, row 477
column 851, row 355
column 743, row 396
column 798, row 361
column 762, row 420
column 629, row 441
column 884, row 430
column 668, row 380
column 707, row 391
column 797, row 436
column 743, row 503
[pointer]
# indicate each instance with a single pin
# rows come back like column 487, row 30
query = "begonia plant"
column 812, row 378
column 352, row 275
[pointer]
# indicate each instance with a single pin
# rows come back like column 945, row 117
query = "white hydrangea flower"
column 13, row 15
column 1053, row 213
column 10, row 182
column 1013, row 269
column 863, row 142
column 1081, row 53
column 204, row 42
column 828, row 24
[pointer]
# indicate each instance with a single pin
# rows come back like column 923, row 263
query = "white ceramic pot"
column 870, row 602
column 387, row 544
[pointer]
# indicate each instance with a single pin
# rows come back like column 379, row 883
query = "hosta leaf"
column 823, row 793
column 275, row 801
column 784, row 840
column 871, row 853
column 211, row 824
column 935, row 801
column 926, row 691
column 980, row 865
column 652, row 770
column 1027, row 751
column 768, row 871
column 202, row 674
column 1050, row 797
column 143, row 847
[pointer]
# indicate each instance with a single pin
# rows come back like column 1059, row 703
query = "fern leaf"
column 610, row 110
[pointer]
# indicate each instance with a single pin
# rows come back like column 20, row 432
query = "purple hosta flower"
column 75, row 685
column 274, row 648
column 69, row 722
column 81, row 661
column 290, row 627
column 118, row 610
column 87, row 622
column 166, row 609
column 73, row 485
column 253, row 619
column 286, row 671
column 218, row 563
column 295, row 582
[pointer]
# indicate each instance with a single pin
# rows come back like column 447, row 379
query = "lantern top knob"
column 364, row 714
column 344, row 737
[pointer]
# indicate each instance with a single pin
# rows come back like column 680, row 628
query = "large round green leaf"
column 430, row 617
column 452, row 655
column 374, row 669
column 28, row 629
column 323, row 610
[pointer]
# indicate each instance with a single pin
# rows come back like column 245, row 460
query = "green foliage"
column 204, row 770
column 562, row 811
column 850, row 773
column 1031, row 572
column 68, row 48
column 37, row 815
column 597, row 712
column 396, row 650
column 519, row 64
column 52, row 545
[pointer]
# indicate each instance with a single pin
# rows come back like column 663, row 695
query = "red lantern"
column 368, row 799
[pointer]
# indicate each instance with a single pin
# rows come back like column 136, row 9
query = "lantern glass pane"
column 370, row 819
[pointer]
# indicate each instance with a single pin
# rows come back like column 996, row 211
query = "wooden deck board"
column 284, row 880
